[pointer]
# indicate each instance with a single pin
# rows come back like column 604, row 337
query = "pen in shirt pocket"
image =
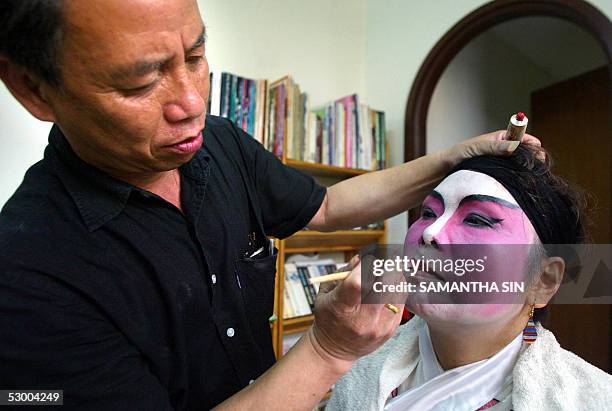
column 260, row 250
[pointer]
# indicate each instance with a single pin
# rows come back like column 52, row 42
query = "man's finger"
column 387, row 320
column 353, row 262
column 328, row 286
column 531, row 140
column 349, row 290
column 534, row 142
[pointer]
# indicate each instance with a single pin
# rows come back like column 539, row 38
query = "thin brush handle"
column 330, row 277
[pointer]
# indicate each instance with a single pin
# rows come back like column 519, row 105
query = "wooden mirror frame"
column 415, row 121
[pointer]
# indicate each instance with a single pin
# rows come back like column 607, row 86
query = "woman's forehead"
column 464, row 183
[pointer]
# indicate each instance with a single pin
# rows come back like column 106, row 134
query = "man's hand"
column 344, row 329
column 487, row 144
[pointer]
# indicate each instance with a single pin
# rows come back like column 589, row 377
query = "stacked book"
column 346, row 133
column 286, row 111
column 241, row 100
column 299, row 295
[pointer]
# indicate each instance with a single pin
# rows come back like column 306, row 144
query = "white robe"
column 545, row 376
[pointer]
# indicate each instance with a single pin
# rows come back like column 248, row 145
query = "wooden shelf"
column 317, row 169
column 343, row 240
column 297, row 324
column 349, row 242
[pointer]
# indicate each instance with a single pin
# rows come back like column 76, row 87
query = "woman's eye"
column 481, row 221
column 427, row 213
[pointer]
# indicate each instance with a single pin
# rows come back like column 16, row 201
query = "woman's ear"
column 551, row 275
column 27, row 89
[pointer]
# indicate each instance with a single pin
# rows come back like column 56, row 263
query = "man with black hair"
column 125, row 270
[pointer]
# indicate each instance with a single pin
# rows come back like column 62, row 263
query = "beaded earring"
column 530, row 333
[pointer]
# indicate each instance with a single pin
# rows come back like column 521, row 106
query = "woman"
column 485, row 356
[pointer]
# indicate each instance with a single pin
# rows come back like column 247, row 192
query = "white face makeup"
column 456, row 187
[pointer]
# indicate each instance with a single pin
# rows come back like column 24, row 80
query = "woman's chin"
column 465, row 314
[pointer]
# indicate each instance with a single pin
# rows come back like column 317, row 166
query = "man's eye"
column 141, row 89
column 477, row 220
column 195, row 59
column 427, row 213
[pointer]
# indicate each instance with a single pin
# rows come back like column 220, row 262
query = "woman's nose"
column 435, row 234
column 429, row 239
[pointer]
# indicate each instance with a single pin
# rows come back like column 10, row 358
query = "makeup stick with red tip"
column 517, row 126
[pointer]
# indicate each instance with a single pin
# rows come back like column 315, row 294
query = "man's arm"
column 297, row 381
column 344, row 330
column 376, row 196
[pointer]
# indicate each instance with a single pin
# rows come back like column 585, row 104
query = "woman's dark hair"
column 555, row 207
column 31, row 34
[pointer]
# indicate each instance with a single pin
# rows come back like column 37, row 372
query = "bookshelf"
column 348, row 242
column 324, row 170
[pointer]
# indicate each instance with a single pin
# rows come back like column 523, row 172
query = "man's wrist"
column 447, row 159
column 336, row 367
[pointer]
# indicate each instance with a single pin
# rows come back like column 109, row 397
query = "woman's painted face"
column 469, row 207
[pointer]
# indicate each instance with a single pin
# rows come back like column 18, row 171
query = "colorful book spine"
column 308, row 289
column 344, row 133
column 281, row 109
column 252, row 107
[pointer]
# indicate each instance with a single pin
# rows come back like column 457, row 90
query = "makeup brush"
column 339, row 276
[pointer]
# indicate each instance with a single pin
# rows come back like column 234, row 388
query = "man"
column 125, row 276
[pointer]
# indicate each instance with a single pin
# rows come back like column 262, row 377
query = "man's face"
column 135, row 82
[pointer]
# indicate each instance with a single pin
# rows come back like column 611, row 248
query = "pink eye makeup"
column 480, row 221
column 482, row 211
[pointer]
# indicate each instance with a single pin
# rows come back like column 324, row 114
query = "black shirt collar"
column 98, row 196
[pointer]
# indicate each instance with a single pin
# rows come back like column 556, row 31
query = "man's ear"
column 27, row 89
column 551, row 275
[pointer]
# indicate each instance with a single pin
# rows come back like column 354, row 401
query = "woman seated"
column 485, row 356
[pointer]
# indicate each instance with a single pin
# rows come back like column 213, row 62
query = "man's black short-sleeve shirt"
column 113, row 295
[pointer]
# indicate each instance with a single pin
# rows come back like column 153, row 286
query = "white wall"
column 319, row 42
column 581, row 52
column 22, row 141
column 474, row 95
column 399, row 35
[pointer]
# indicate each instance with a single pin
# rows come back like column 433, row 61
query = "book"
column 347, row 134
column 285, row 109
column 308, row 290
column 241, row 100
column 296, row 291
column 288, row 309
column 300, row 296
column 342, row 133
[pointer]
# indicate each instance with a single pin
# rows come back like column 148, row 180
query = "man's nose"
column 186, row 102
